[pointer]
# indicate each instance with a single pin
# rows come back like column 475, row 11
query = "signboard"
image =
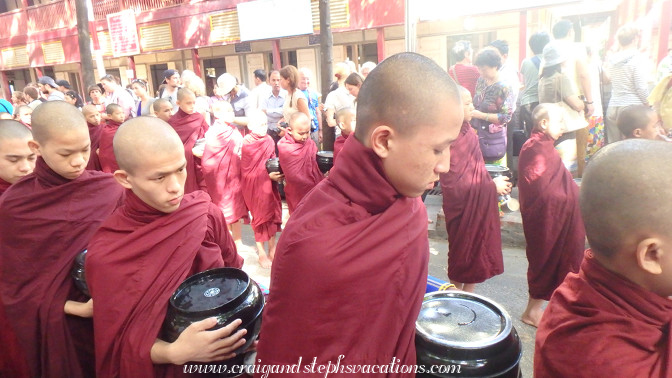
column 123, row 33
column 267, row 19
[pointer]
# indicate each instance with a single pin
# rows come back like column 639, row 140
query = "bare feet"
column 533, row 312
column 264, row 261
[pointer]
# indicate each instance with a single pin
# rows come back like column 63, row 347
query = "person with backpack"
column 529, row 69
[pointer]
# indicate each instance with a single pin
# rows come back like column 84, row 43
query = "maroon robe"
column 94, row 135
column 349, row 273
column 613, row 327
column 549, row 206
column 259, row 191
column 338, row 144
column 299, row 163
column 472, row 217
column 221, row 170
column 135, row 262
column 46, row 220
column 190, row 128
column 4, row 185
column 107, row 161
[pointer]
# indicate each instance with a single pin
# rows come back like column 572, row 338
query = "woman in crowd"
column 492, row 111
column 19, row 98
column 73, row 98
column 353, row 83
column 295, row 100
column 145, row 101
column 463, row 72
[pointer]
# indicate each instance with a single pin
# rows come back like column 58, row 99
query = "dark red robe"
column 221, row 170
column 299, row 163
column 94, row 134
column 46, row 220
column 349, row 273
column 107, row 161
column 338, row 145
column 549, row 206
column 259, row 191
column 135, row 262
column 4, row 185
column 190, row 128
column 472, row 217
column 600, row 324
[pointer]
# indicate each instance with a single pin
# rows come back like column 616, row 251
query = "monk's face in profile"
column 187, row 103
column 66, row 153
column 158, row 180
column 117, row 115
column 16, row 159
column 413, row 160
column 468, row 106
column 300, row 129
column 165, row 111
column 92, row 117
column 347, row 123
column 653, row 129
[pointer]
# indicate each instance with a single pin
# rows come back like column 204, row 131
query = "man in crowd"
column 272, row 106
column 49, row 87
column 171, row 79
column 261, row 88
column 116, row 94
column 529, row 69
column 63, row 85
column 34, row 96
column 239, row 97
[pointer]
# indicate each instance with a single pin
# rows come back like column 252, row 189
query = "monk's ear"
column 637, row 133
column 649, row 255
column 34, row 146
column 380, row 139
column 122, row 178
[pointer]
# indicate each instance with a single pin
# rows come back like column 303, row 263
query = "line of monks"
column 349, row 272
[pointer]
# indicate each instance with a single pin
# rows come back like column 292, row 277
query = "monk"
column 221, row 168
column 115, row 117
column 640, row 121
column 145, row 250
column 190, row 126
column 298, row 159
column 16, row 158
column 470, row 207
column 350, row 269
column 163, row 109
column 93, row 119
column 616, row 312
column 345, row 120
column 549, row 206
column 46, row 219
column 16, row 161
column 260, row 189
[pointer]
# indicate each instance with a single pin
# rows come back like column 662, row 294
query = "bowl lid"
column 209, row 290
column 328, row 154
column 462, row 320
column 496, row 168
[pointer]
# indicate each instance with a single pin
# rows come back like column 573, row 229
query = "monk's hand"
column 198, row 151
column 81, row 309
column 198, row 344
column 276, row 176
column 503, row 185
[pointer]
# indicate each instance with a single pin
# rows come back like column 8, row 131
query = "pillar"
column 277, row 64
column 380, row 43
column 196, row 60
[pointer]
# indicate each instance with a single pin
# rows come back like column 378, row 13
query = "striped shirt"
column 629, row 79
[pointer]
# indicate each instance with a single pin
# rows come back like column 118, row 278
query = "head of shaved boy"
column 61, row 138
column 640, row 121
column 186, row 100
column 115, row 113
column 411, row 133
column 16, row 158
column 91, row 114
column 163, row 109
column 223, row 111
column 548, row 118
column 299, row 127
column 345, row 119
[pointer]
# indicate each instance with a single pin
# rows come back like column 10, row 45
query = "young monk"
column 163, row 109
column 640, row 121
column 221, row 168
column 46, row 219
column 16, row 158
column 470, row 207
column 260, row 193
column 145, row 250
column 615, row 313
column 297, row 153
column 345, row 120
column 115, row 117
column 93, row 118
column 190, row 126
column 549, row 206
column 16, row 161
column 359, row 296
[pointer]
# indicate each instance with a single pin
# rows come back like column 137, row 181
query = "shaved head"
column 10, row 129
column 89, row 109
column 184, row 92
column 625, row 193
column 143, row 136
column 404, row 92
column 257, row 122
column 56, row 117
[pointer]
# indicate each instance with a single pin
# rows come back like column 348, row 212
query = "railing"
column 101, row 8
column 56, row 15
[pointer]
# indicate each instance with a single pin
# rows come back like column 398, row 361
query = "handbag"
column 573, row 120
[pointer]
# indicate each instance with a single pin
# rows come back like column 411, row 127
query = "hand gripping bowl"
column 325, row 160
column 507, row 204
column 466, row 335
column 77, row 273
column 273, row 165
column 225, row 293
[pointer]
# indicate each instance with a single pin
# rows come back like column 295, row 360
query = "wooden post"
column 326, row 62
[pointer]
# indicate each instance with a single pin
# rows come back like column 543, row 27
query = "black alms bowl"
column 325, row 160
column 273, row 165
column 498, row 170
column 467, row 335
column 225, row 293
column 77, row 273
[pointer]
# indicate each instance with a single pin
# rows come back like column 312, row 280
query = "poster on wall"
column 123, row 33
column 266, row 19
